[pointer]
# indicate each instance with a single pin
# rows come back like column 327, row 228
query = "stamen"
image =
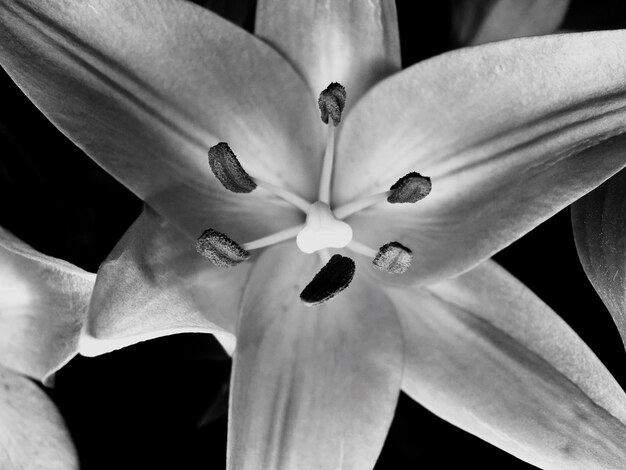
column 220, row 250
column 331, row 102
column 327, row 167
column 230, row 173
column 358, row 205
column 412, row 187
column 285, row 194
column 362, row 249
column 393, row 258
column 228, row 170
column 334, row 277
column 273, row 239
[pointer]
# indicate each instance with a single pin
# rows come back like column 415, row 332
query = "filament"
column 273, row 239
column 283, row 193
column 362, row 249
column 327, row 166
column 357, row 205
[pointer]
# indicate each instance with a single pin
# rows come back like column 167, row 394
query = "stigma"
column 322, row 230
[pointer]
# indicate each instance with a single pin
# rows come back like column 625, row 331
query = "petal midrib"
column 134, row 90
column 516, row 140
column 598, row 399
column 573, row 124
column 582, row 143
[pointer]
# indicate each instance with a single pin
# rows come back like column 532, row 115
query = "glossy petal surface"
column 313, row 387
column 510, row 133
column 484, row 353
column 146, row 87
column 354, row 43
column 599, row 222
column 481, row 21
column 43, row 304
column 154, row 283
column 32, row 432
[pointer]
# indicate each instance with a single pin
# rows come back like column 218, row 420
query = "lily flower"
column 43, row 305
column 509, row 133
column 599, row 223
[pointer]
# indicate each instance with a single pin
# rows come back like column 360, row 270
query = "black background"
column 140, row 407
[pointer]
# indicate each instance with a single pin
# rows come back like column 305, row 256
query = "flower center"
column 322, row 230
column 324, row 227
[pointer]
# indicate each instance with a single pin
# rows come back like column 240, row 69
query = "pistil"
column 322, row 230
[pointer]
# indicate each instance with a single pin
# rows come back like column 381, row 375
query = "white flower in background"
column 43, row 305
column 599, row 222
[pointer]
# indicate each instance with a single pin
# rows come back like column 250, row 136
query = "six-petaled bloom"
column 510, row 133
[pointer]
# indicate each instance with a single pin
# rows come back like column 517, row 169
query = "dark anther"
column 331, row 102
column 410, row 188
column 332, row 279
column 228, row 170
column 394, row 258
column 220, row 249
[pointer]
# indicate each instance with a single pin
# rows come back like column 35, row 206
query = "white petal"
column 43, row 304
column 312, row 387
column 154, row 283
column 32, row 432
column 354, row 43
column 510, row 133
column 481, row 21
column 487, row 355
column 599, row 222
column 146, row 87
